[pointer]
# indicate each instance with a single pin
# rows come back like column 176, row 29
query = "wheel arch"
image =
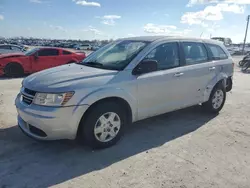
column 118, row 100
column 15, row 63
column 220, row 78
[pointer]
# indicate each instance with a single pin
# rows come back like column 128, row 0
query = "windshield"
column 116, row 55
column 32, row 51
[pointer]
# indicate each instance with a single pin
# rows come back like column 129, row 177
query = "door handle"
column 178, row 74
column 212, row 68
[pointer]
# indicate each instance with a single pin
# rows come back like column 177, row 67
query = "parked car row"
column 126, row 81
column 37, row 59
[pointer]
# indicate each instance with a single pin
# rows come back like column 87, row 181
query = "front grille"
column 27, row 100
column 28, row 96
column 30, row 92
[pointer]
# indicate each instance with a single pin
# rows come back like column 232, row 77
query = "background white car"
column 84, row 47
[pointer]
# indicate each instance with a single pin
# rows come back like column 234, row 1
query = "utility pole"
column 243, row 49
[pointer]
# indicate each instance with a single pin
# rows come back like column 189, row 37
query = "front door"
column 45, row 58
column 163, row 90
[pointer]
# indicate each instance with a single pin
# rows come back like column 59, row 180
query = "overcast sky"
column 105, row 19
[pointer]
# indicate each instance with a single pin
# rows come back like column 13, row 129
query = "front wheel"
column 216, row 100
column 103, row 125
column 13, row 70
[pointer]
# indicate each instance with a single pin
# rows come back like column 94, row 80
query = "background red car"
column 36, row 60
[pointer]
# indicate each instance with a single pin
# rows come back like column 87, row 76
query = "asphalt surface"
column 186, row 148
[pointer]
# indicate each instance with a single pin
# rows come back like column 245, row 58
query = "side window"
column 48, row 52
column 15, row 48
column 195, row 53
column 66, row 52
column 167, row 56
column 217, row 52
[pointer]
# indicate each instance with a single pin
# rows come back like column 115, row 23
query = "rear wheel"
column 13, row 70
column 103, row 125
column 216, row 100
column 241, row 63
column 229, row 84
column 245, row 66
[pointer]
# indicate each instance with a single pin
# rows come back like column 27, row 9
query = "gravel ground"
column 182, row 149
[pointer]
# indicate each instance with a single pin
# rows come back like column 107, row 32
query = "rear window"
column 217, row 52
column 66, row 52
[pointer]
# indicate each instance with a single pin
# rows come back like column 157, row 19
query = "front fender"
column 103, row 93
column 220, row 77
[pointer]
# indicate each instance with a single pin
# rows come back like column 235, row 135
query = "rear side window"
column 195, row 53
column 48, row 52
column 217, row 52
column 66, row 52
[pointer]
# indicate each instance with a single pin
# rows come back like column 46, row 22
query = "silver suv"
column 123, row 82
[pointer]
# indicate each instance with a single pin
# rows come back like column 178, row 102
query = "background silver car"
column 9, row 48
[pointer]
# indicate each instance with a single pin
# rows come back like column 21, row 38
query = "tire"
column 245, row 66
column 13, row 70
column 99, row 135
column 241, row 63
column 210, row 106
column 229, row 84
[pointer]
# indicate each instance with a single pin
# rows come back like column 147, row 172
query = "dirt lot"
column 182, row 149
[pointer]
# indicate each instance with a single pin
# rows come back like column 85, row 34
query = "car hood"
column 10, row 55
column 68, row 78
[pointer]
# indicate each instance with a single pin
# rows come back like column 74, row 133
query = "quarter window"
column 166, row 55
column 217, row 52
column 195, row 53
column 48, row 52
column 66, row 52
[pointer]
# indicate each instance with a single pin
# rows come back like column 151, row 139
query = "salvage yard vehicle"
column 123, row 82
column 37, row 59
column 10, row 48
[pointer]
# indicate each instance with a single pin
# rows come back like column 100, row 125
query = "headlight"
column 52, row 99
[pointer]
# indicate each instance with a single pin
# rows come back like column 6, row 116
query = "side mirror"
column 35, row 56
column 145, row 66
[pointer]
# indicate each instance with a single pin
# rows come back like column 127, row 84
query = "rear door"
column 46, row 58
column 199, row 70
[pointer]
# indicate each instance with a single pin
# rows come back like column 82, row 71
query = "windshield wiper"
column 93, row 63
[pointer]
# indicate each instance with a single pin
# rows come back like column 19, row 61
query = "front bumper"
column 54, row 122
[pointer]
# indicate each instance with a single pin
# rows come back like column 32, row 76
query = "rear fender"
column 103, row 93
column 220, row 77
